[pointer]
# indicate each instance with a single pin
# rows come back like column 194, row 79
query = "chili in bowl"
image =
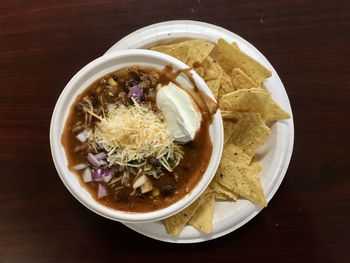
column 136, row 136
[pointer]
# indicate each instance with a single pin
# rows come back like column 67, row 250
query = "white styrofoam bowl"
column 86, row 76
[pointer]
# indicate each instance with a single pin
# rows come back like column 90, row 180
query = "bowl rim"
column 57, row 148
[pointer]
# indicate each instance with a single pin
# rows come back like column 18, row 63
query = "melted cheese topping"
column 133, row 133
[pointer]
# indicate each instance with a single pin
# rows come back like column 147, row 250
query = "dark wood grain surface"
column 44, row 43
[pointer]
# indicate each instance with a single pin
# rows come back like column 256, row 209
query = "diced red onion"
column 107, row 175
column 102, row 191
column 80, row 166
column 102, row 162
column 136, row 92
column 100, row 156
column 93, row 160
column 97, row 175
column 87, row 175
column 104, row 172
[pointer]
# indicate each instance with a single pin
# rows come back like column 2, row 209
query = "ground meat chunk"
column 167, row 190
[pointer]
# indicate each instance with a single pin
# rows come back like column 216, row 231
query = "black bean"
column 79, row 108
column 95, row 102
column 167, row 190
column 92, row 93
column 121, row 196
column 153, row 161
column 135, row 74
column 141, row 196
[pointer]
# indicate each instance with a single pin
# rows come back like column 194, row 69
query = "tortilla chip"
column 214, row 53
column 229, row 129
column 221, row 193
column 225, row 85
column 211, row 69
column 177, row 222
column 228, row 132
column 235, row 45
column 243, row 180
column 190, row 52
column 214, row 86
column 203, row 217
column 221, row 197
column 253, row 100
column 231, row 115
column 239, row 176
column 240, row 80
column 179, row 52
column 249, row 133
column 212, row 75
column 216, row 78
column 235, row 154
column 231, row 57
column 200, row 71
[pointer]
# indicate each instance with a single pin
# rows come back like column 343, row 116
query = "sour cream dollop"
column 180, row 112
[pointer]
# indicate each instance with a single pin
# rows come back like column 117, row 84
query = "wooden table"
column 44, row 43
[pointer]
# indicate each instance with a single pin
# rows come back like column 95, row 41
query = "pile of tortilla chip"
column 248, row 111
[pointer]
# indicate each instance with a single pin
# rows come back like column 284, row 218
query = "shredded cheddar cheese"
column 133, row 133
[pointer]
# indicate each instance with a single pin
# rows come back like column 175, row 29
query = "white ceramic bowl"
column 91, row 72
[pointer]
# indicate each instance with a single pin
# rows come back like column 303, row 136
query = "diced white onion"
column 87, row 175
column 146, row 187
column 140, row 181
column 80, row 166
column 107, row 178
column 102, row 191
column 84, row 135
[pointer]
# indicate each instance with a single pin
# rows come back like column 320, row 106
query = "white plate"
column 274, row 155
